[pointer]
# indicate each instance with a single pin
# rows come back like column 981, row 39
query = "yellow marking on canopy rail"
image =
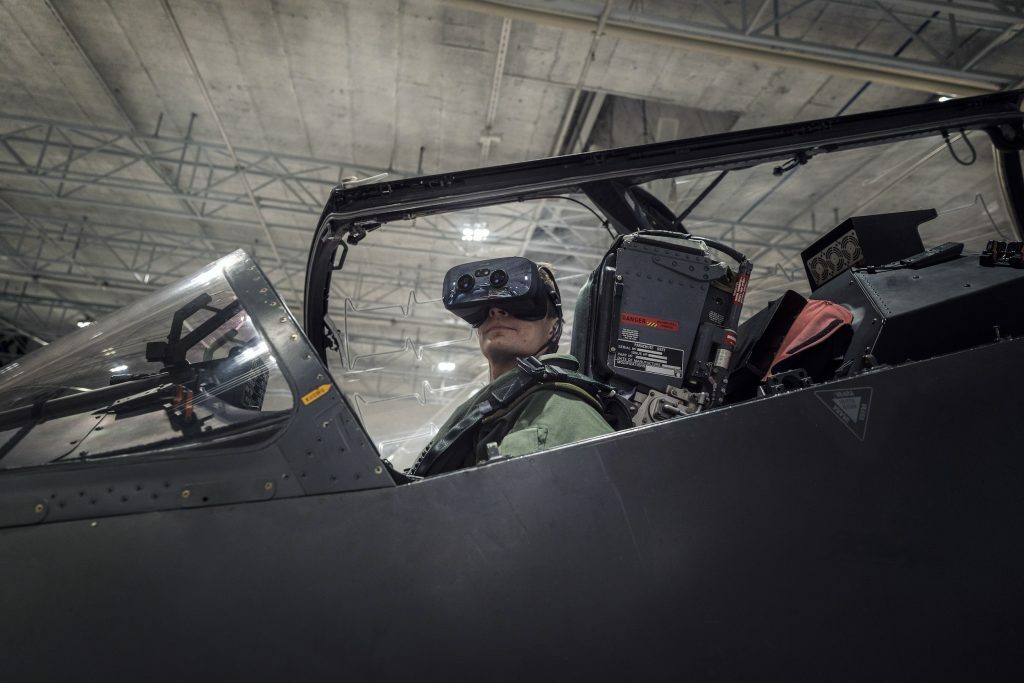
column 315, row 394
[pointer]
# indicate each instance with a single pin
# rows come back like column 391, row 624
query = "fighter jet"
column 830, row 490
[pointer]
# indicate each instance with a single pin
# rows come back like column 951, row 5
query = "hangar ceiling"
column 141, row 140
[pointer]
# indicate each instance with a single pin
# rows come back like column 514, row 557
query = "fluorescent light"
column 119, row 368
column 475, row 232
column 85, row 323
column 445, row 366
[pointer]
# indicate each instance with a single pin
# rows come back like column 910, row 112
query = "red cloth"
column 818, row 321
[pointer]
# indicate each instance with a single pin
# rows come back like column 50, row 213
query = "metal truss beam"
column 731, row 39
column 54, row 302
column 288, row 185
column 185, row 182
column 164, row 176
column 741, row 233
column 979, row 11
column 142, row 275
column 257, row 210
column 67, row 157
column 142, row 236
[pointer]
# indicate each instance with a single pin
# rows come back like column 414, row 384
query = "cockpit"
column 210, row 390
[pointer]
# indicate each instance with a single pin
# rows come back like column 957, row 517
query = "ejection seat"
column 653, row 322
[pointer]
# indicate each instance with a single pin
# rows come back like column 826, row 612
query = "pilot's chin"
column 505, row 348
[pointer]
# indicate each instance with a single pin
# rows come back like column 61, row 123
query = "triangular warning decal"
column 851, row 406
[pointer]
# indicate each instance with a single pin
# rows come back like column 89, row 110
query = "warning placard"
column 661, row 360
column 644, row 321
column 315, row 394
column 851, row 406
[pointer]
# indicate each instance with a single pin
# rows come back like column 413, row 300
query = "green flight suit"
column 543, row 418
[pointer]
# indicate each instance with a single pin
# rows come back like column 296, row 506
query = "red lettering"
column 644, row 321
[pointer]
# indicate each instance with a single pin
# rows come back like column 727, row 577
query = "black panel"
column 758, row 341
column 864, row 241
column 905, row 314
column 770, row 540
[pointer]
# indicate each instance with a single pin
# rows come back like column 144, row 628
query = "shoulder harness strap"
column 534, row 375
column 563, row 387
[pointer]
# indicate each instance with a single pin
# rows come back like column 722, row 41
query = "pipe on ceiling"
column 902, row 78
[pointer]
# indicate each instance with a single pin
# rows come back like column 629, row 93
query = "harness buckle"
column 533, row 367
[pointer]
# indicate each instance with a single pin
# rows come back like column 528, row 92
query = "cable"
column 952, row 152
column 604, row 221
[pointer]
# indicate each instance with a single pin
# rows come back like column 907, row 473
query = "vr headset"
column 512, row 284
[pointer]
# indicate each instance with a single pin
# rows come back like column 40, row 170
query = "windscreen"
column 403, row 360
column 179, row 368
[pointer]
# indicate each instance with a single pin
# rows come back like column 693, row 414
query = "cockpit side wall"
column 858, row 530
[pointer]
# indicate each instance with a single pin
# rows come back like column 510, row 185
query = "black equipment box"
column 905, row 314
column 864, row 241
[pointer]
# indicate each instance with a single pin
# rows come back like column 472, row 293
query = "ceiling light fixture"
column 445, row 366
column 85, row 323
column 475, row 232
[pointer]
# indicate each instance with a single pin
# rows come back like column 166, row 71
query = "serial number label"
column 661, row 360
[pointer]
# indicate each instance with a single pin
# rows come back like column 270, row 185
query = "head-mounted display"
column 513, row 284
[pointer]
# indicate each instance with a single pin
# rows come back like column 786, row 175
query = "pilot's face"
column 502, row 335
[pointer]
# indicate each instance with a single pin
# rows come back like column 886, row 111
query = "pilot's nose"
column 496, row 312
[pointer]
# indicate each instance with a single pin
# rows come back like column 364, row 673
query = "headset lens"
column 499, row 278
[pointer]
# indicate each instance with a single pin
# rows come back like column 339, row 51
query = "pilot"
column 542, row 415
